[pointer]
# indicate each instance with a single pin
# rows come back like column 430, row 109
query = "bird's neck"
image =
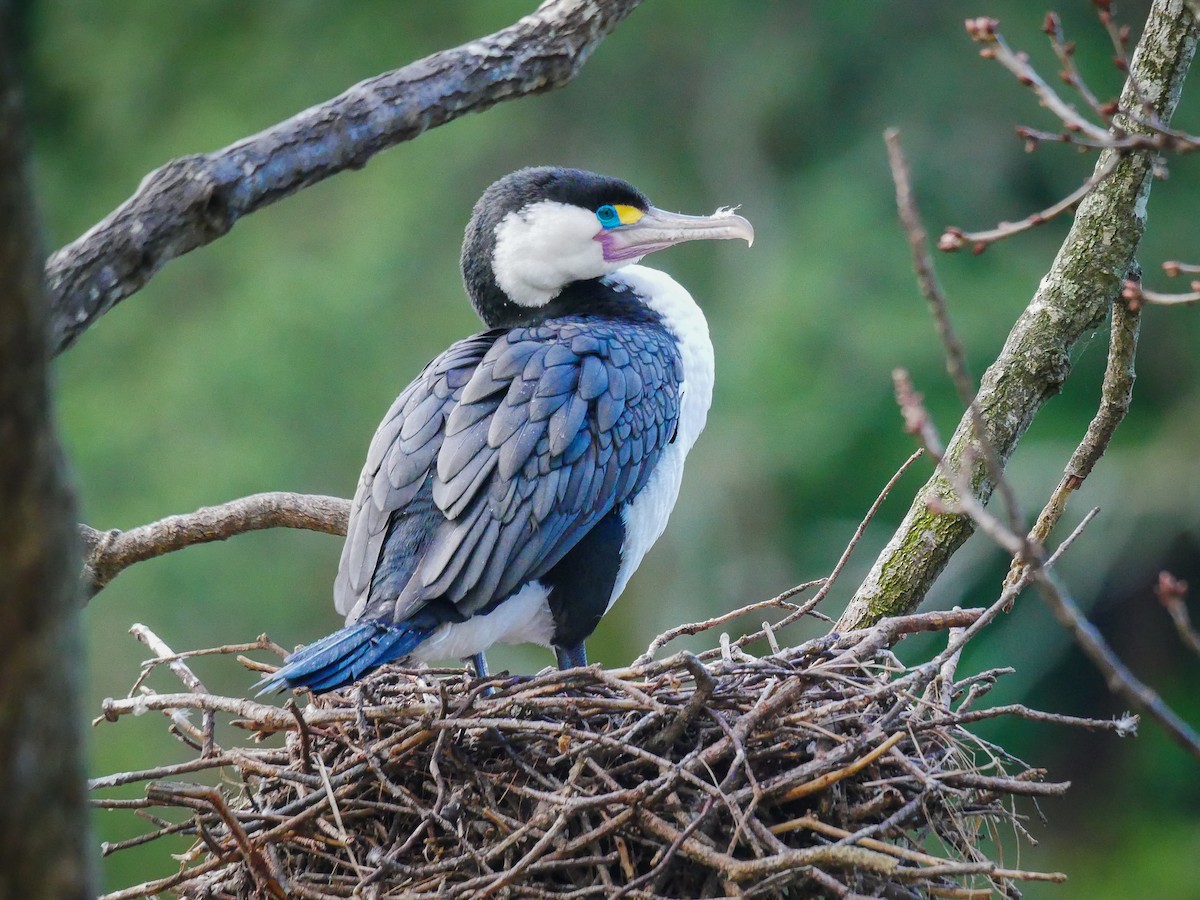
column 607, row 297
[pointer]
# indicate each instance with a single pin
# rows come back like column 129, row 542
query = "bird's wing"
column 557, row 424
column 392, row 498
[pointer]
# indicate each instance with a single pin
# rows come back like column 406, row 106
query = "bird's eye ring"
column 608, row 216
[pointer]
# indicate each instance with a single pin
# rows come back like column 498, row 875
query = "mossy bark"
column 1072, row 300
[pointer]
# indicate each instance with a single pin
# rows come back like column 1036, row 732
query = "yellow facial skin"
column 627, row 214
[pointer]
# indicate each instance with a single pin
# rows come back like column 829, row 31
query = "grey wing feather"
column 566, row 449
column 399, row 460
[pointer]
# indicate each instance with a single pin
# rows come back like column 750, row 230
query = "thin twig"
column 1172, row 593
column 808, row 607
column 956, row 238
column 956, row 357
column 1120, row 680
column 1116, row 392
column 185, row 674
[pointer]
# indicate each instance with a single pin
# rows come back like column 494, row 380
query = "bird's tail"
column 345, row 656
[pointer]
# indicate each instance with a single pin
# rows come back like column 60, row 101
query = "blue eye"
column 608, row 216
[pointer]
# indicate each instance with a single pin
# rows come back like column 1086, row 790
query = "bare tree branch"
column 1129, row 124
column 193, row 200
column 1070, row 302
column 956, row 357
column 108, row 553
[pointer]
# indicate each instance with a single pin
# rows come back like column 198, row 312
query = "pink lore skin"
column 657, row 230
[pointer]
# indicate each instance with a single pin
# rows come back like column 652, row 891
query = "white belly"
column 522, row 618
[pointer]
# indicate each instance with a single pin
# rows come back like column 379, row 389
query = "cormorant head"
column 539, row 229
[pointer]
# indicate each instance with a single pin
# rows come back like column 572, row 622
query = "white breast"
column 646, row 516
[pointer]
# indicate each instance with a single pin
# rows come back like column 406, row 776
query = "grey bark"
column 1070, row 303
column 193, row 200
column 44, row 838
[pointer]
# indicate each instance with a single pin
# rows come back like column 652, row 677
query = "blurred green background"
column 265, row 360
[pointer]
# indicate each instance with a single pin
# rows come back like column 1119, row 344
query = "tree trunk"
column 44, row 835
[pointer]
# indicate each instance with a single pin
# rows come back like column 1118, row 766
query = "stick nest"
column 829, row 768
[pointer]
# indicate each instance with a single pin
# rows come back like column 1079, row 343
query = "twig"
column 693, row 628
column 956, row 357
column 108, row 553
column 984, row 31
column 1116, row 392
column 1120, row 680
column 1174, row 268
column 955, row 238
column 1135, row 295
column 185, row 674
column 808, row 606
column 1124, row 726
column 1172, row 593
column 819, row 784
column 211, row 798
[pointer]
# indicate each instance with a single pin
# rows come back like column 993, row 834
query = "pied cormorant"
column 516, row 484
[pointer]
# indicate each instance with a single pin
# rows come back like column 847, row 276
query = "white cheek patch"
column 545, row 247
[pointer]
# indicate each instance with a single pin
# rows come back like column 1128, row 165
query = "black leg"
column 479, row 664
column 571, row 657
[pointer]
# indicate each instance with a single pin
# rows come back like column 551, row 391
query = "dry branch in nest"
column 829, row 766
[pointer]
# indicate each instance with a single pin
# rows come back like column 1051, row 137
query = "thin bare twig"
column 185, row 674
column 1126, row 125
column 1136, row 294
column 984, row 31
column 1116, row 392
column 1120, row 680
column 1172, row 593
column 956, row 357
column 956, row 238
column 808, row 606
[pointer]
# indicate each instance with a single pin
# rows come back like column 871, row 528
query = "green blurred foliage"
column 265, row 360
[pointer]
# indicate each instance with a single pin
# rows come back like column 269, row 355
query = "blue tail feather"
column 370, row 655
column 345, row 656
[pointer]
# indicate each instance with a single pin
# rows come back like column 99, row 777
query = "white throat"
column 646, row 516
